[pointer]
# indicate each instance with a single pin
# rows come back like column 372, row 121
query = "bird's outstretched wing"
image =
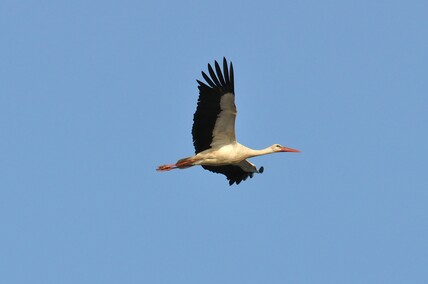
column 236, row 173
column 214, row 119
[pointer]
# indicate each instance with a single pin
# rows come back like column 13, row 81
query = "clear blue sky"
column 94, row 95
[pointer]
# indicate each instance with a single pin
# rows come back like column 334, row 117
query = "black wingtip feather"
column 226, row 71
column 213, row 76
column 232, row 80
column 219, row 74
column 202, row 84
column 212, row 85
column 220, row 79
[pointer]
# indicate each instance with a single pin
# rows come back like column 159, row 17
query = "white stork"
column 213, row 131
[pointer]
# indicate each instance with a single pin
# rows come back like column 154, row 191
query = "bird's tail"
column 181, row 164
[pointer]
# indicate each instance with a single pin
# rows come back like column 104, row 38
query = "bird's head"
column 280, row 148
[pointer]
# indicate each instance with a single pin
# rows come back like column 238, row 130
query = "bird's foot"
column 165, row 168
column 181, row 164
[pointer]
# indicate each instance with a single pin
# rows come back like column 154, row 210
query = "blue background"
column 94, row 95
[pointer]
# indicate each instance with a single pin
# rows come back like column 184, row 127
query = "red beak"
column 285, row 149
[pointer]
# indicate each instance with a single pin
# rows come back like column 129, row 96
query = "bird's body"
column 214, row 131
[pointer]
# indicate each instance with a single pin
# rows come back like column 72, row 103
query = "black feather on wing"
column 232, row 173
column 208, row 108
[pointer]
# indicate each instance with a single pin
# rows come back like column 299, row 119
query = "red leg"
column 181, row 164
column 165, row 168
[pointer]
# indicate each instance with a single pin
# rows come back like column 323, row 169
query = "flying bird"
column 213, row 131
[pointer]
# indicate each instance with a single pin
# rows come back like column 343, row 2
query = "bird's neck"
column 255, row 153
